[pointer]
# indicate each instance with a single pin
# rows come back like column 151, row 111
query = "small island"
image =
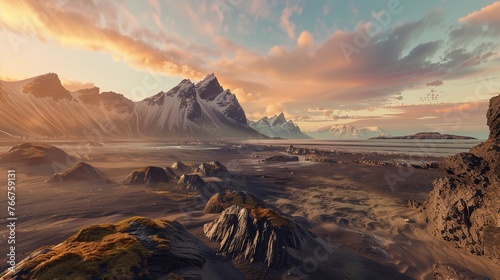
column 428, row 135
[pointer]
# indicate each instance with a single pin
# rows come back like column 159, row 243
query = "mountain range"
column 278, row 126
column 348, row 132
column 40, row 107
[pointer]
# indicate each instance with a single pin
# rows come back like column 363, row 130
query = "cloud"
column 71, row 28
column 305, row 40
column 353, row 8
column 435, row 83
column 246, row 97
column 487, row 15
column 326, row 10
column 286, row 24
column 72, row 85
column 274, row 109
column 155, row 4
column 260, row 8
column 470, row 106
column 478, row 27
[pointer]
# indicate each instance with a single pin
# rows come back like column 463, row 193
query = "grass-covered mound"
column 136, row 248
column 259, row 209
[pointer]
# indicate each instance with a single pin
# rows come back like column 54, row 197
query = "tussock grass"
column 107, row 251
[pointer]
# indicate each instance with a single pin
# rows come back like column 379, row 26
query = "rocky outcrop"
column 79, row 172
column 464, row 207
column 250, row 230
column 449, row 271
column 493, row 119
column 170, row 172
column 37, row 154
column 282, row 158
column 181, row 168
column 213, row 169
column 150, row 175
column 136, row 248
column 191, row 182
column 299, row 151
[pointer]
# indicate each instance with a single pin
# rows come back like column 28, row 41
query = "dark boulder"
column 213, row 169
column 192, row 182
column 150, row 175
column 79, row 172
column 449, row 271
column 170, row 172
column 181, row 168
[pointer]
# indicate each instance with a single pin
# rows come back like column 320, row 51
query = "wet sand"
column 354, row 207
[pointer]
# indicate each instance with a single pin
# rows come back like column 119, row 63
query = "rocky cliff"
column 464, row 207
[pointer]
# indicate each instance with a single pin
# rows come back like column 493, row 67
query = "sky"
column 405, row 66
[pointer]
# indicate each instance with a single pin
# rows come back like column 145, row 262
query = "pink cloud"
column 285, row 23
column 487, row 15
column 155, row 4
column 260, row 8
column 69, row 27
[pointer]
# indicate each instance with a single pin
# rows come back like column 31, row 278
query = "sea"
column 440, row 148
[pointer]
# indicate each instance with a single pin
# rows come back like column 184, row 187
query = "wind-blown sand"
column 359, row 208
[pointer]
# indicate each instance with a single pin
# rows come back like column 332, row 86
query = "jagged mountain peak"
column 278, row 119
column 278, row 126
column 185, row 89
column 209, row 88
